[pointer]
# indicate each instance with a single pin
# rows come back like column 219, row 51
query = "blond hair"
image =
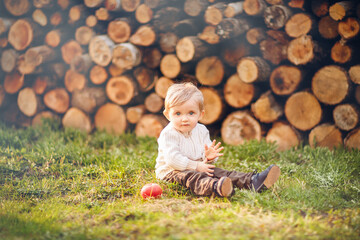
column 179, row 93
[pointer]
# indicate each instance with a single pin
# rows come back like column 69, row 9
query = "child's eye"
column 191, row 113
column 177, row 114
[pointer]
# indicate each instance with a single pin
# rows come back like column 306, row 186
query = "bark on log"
column 331, row 84
column 303, row 110
column 144, row 36
column 254, row 7
column 28, row 102
column 341, row 52
column 5, row 24
column 111, row 118
column 88, row 99
column 81, row 64
column 75, row 118
column 231, row 27
column 276, row 16
column 70, row 50
column 233, row 50
column 156, row 122
column 213, row 104
column 17, row 8
column 195, row 7
column 252, row 69
column 13, row 82
column 186, row 27
column 145, row 78
column 354, row 73
column 210, row 71
column 325, row 135
column 74, row 80
column 25, row 67
column 152, row 57
column 113, row 5
column 346, row 116
column 167, row 42
column 340, row 10
column 285, row 79
column 274, row 47
column 237, row 93
column 98, row 75
column 190, row 49
column 299, row 24
column 283, row 135
column 214, row 13
column 84, row 34
column 161, row 86
column 121, row 90
column 134, row 114
column 126, row 56
column 349, row 28
column 39, row 55
column 266, row 109
column 165, row 18
column 327, row 27
column 233, row 9
column 143, row 14
column 154, row 103
column 352, row 140
column 57, row 100
column 9, row 59
column 238, row 127
column 100, row 50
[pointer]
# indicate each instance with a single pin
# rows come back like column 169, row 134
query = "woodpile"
column 281, row 70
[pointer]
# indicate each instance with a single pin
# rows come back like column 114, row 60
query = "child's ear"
column 166, row 114
column 202, row 114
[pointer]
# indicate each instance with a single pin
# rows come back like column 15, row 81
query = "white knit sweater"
column 181, row 152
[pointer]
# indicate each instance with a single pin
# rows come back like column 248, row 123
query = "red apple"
column 151, row 190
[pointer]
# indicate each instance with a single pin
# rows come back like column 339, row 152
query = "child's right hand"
column 206, row 168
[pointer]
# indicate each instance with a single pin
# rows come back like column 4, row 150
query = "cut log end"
column 111, row 118
column 325, row 135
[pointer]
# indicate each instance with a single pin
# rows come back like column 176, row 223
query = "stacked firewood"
column 284, row 70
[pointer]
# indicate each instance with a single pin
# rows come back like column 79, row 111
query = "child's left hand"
column 213, row 151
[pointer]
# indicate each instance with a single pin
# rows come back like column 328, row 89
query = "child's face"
column 185, row 116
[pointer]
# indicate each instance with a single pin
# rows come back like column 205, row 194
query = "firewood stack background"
column 283, row 70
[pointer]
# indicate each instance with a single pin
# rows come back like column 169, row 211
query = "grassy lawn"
column 64, row 184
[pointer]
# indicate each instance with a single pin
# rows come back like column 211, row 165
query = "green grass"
column 65, row 184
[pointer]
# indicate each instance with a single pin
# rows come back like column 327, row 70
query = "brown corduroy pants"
column 202, row 184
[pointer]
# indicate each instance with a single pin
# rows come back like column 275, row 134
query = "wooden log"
column 103, row 14
column 254, row 7
column 145, row 77
column 13, row 82
column 349, row 28
column 17, row 8
column 70, row 50
column 93, row 3
column 77, row 119
column 209, row 35
column 157, row 123
column 5, row 24
column 143, row 14
column 340, row 10
column 121, row 90
column 266, row 109
column 195, row 7
column 341, row 52
column 190, row 49
column 233, row 9
column 325, row 135
column 64, row 4
column 297, row 4
column 2, row 96
column 144, row 36
column 276, row 16
column 161, row 86
column 354, row 73
column 134, row 114
column 12, row 115
column 119, row 29
column 100, row 50
column 210, row 71
column 42, row 83
column 22, row 33
column 301, row 50
column 113, row 5
column 274, row 47
column 165, row 18
column 155, row 3
column 115, row 70
column 98, row 75
column 74, row 80
column 129, row 5
column 88, row 99
column 214, row 13
column 40, row 117
column 346, row 116
column 25, row 67
column 3, row 42
column 283, row 135
column 213, row 105
column 153, row 103
column 47, row 4
column 231, row 27
column 331, row 84
column 84, row 34
column 299, row 24
column 57, row 100
column 320, row 7
column 54, row 37
column 91, row 21
column 77, row 13
column 111, row 118
column 233, row 50
column 57, row 70
column 167, row 42
column 274, row 2
column 39, row 17
column 237, row 93
column 352, row 140
column 285, row 79
column 357, row 94
column 186, row 27
column 27, row 101
column 152, row 57
column 327, row 27
column 170, row 66
column 56, row 19
column 239, row 127
column 126, row 56
column 9, row 59
column 39, row 55
column 81, row 64
column 303, row 110
column 255, row 35
column 253, row 69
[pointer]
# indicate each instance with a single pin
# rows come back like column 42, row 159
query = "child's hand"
column 206, row 168
column 213, row 151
